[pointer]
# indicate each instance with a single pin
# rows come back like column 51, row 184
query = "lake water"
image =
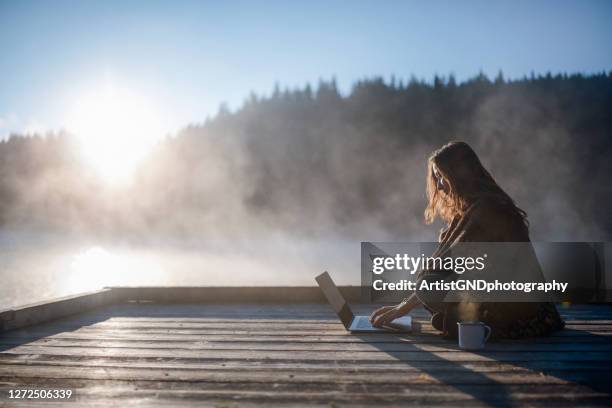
column 40, row 266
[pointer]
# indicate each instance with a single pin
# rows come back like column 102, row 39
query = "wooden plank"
column 306, row 392
column 263, row 329
column 99, row 400
column 250, row 321
column 248, row 309
column 407, row 355
column 279, row 333
column 308, row 312
column 311, row 324
column 448, row 377
column 233, row 294
column 260, row 323
column 246, row 324
column 242, row 319
column 312, row 336
column 373, row 366
column 230, row 344
column 46, row 311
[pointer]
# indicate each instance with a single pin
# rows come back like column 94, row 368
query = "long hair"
column 461, row 180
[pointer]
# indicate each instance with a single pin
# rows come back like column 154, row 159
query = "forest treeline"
column 315, row 161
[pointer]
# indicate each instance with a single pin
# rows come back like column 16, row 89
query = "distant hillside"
column 312, row 161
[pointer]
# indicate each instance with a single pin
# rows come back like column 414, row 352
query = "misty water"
column 40, row 266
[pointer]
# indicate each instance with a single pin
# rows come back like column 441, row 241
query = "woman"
column 463, row 194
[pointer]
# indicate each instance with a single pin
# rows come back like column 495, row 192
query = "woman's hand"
column 385, row 315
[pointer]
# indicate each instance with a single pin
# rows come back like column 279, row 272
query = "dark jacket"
column 488, row 220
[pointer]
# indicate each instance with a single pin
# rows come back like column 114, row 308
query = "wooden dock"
column 125, row 350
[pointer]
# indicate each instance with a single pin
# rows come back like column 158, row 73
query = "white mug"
column 473, row 335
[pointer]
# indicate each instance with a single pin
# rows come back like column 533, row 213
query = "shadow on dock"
column 593, row 374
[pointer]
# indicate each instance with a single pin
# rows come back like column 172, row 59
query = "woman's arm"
column 387, row 314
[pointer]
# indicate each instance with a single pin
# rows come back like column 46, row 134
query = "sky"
column 187, row 57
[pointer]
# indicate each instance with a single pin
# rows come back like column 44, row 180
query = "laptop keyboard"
column 362, row 322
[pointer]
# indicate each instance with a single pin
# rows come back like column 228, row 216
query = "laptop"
column 357, row 324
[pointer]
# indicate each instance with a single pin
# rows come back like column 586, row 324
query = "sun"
column 115, row 129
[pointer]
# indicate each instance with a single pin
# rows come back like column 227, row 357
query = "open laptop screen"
column 334, row 297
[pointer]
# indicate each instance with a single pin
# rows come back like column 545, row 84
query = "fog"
column 46, row 266
column 289, row 184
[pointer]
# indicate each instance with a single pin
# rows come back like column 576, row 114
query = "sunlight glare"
column 97, row 267
column 115, row 129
